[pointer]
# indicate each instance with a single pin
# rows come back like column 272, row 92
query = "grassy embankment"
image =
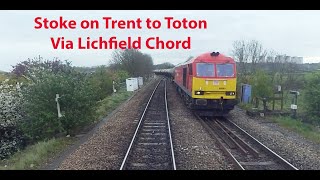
column 309, row 131
column 33, row 156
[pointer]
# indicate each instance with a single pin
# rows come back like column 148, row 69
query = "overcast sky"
column 294, row 33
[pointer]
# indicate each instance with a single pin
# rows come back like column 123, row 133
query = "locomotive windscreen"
column 225, row 70
column 205, row 70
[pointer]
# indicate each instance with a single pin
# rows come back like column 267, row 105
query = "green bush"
column 121, row 76
column 101, row 83
column 312, row 94
column 77, row 104
column 261, row 84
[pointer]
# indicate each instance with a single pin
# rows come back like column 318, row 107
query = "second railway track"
column 151, row 146
column 246, row 152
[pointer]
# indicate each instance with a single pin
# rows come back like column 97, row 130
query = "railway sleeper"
column 152, row 130
column 154, row 123
column 149, row 150
column 154, row 134
column 151, row 139
column 152, row 143
column 152, row 158
column 150, row 165
column 262, row 163
column 154, row 126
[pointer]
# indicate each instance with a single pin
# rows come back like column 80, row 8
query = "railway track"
column 246, row 152
column 151, row 145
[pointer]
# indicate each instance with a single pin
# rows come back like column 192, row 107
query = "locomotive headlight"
column 198, row 92
column 230, row 93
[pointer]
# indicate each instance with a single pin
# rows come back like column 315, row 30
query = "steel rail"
column 135, row 133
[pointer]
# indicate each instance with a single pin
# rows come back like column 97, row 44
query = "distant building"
column 280, row 58
column 287, row 58
column 262, row 59
column 270, row 59
column 294, row 59
column 284, row 58
column 298, row 60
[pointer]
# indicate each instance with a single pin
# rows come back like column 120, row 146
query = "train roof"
column 209, row 57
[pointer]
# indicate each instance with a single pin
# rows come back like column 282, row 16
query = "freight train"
column 207, row 83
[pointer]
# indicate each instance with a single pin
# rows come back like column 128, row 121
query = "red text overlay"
column 112, row 42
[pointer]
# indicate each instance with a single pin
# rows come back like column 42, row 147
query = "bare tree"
column 256, row 54
column 249, row 54
column 133, row 61
column 240, row 54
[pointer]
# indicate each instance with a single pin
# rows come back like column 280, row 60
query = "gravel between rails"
column 300, row 152
column 106, row 148
column 194, row 148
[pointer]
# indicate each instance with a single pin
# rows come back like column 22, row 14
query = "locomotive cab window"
column 225, row 70
column 205, row 70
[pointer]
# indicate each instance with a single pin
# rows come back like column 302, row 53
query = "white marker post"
column 58, row 106
column 114, row 89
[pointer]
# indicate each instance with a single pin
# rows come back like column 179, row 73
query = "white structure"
column 298, row 60
column 279, row 58
column 270, row 59
column 262, row 59
column 285, row 59
column 132, row 84
column 140, row 81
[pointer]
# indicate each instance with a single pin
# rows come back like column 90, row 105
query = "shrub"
column 261, row 84
column 312, row 94
column 76, row 103
column 101, row 82
column 11, row 138
column 34, row 68
column 121, row 76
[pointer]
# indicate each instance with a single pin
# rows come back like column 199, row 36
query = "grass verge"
column 245, row 106
column 307, row 130
column 110, row 103
column 34, row 156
